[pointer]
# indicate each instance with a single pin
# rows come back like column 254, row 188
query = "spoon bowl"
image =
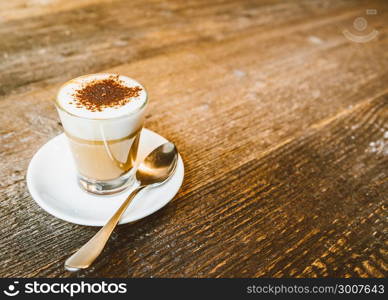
column 158, row 166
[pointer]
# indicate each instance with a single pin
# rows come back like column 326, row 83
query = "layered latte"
column 102, row 115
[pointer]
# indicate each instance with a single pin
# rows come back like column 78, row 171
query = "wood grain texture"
column 282, row 123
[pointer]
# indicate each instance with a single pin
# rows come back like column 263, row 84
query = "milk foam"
column 67, row 100
column 108, row 124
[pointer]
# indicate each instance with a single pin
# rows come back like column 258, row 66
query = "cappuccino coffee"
column 102, row 115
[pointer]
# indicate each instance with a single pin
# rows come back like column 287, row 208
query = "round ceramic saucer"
column 51, row 180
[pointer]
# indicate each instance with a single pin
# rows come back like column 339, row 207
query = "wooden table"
column 281, row 120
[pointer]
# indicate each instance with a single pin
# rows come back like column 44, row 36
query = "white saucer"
column 51, row 180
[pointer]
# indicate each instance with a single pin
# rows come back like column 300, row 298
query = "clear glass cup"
column 104, row 150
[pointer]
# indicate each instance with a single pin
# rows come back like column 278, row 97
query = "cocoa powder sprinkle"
column 100, row 94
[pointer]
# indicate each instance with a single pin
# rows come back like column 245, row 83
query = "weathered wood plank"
column 314, row 207
column 274, row 112
column 103, row 35
column 22, row 9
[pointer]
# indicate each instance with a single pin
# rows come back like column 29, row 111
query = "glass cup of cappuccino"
column 102, row 116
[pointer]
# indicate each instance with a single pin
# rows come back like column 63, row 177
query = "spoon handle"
column 85, row 256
